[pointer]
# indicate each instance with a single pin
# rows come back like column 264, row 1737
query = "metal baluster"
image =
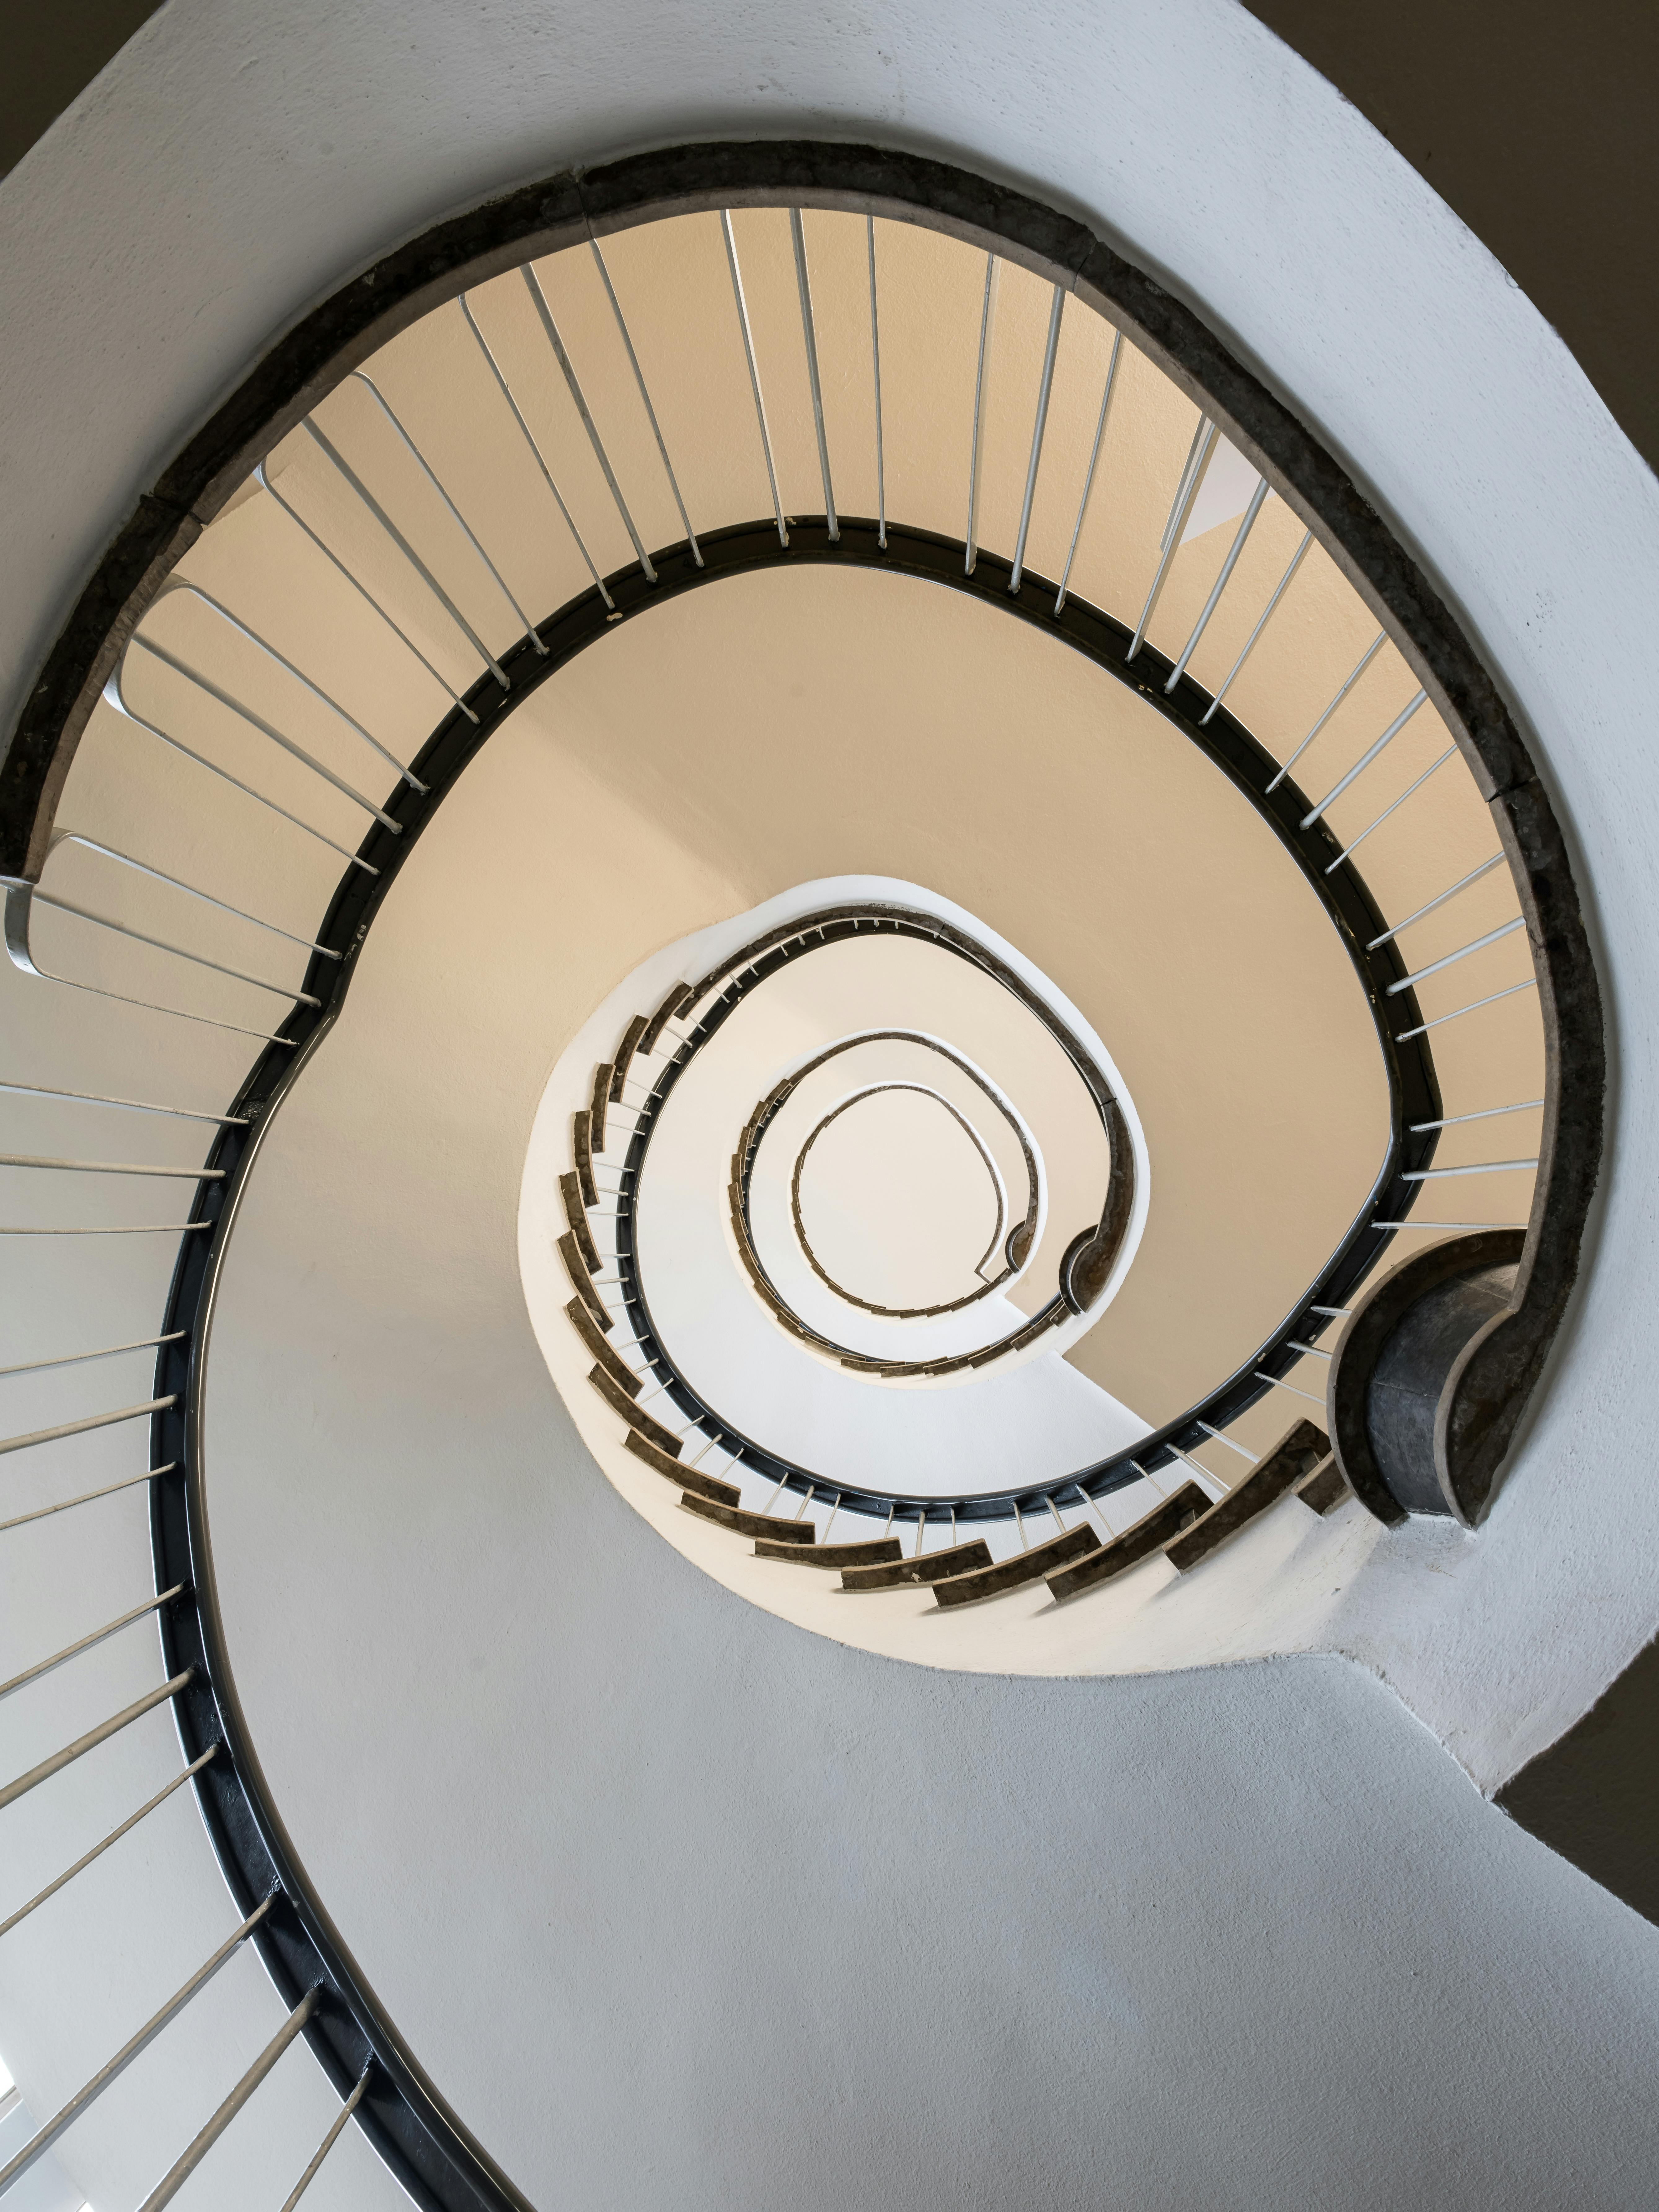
column 90, row 1421
column 533, row 286
column 109, row 1353
column 1486, row 1114
column 1220, row 584
column 803, row 287
column 1365, row 759
column 1387, row 810
column 90, row 1741
column 172, row 2181
column 500, row 375
column 115, row 698
column 243, row 629
column 262, row 479
column 1461, row 884
column 161, row 876
column 644, row 396
column 1253, row 1457
column 258, row 722
column 1342, row 691
column 1531, row 984
column 976, row 450
column 431, row 476
column 114, row 1837
column 1089, row 478
column 126, row 1105
column 161, row 944
column 1279, row 590
column 1209, row 437
column 345, row 469
column 754, row 373
column 1491, row 937
column 73, row 1652
column 1278, row 1384
column 45, row 2137
column 1486, row 1167
column 875, row 362
column 329, row 2139
column 1039, row 425
column 87, row 1497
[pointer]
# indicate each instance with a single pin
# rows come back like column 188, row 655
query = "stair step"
column 576, row 1213
column 751, row 1524
column 1025, row 1567
column 1297, row 1454
column 671, row 1005
column 582, row 1152
column 876, row 1551
column 631, row 1035
column 931, row 1567
column 1326, row 1487
column 620, row 1402
column 580, row 1281
column 597, row 1104
column 1139, row 1541
column 603, row 1351
column 688, row 1478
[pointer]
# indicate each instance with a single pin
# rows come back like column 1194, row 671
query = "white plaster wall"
column 1285, row 1846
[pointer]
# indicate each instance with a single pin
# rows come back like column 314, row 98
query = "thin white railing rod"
column 754, row 372
column 1479, row 944
column 1279, row 590
column 1342, row 691
column 114, row 1837
column 45, row 2137
column 1461, row 884
column 431, row 475
column 1089, row 475
column 809, row 338
column 115, row 698
column 537, row 454
column 1365, row 759
column 42, row 1667
column 645, row 396
column 1349, row 850
column 976, row 447
column 161, row 876
column 1039, row 425
column 172, row 2181
column 1257, row 497
column 261, row 476
column 1492, row 998
column 91, row 1421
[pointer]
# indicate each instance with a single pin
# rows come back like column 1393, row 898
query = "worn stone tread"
column 1326, row 1487
column 1023, row 1567
column 871, row 1551
column 688, row 1478
column 931, row 1567
column 1297, row 1454
column 1139, row 1541
column 607, row 1353
column 751, row 1524
column 620, row 1402
column 582, row 1282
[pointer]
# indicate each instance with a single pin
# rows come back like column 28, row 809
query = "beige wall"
column 797, row 725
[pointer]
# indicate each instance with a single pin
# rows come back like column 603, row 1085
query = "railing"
column 330, row 806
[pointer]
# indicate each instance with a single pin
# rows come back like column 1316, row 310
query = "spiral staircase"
column 1030, row 1184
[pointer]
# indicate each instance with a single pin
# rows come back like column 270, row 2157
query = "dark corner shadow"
column 1594, row 1795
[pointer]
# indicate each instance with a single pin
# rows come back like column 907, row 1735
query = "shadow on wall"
column 1593, row 1795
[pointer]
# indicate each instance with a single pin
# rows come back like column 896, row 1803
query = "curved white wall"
column 1298, row 1850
